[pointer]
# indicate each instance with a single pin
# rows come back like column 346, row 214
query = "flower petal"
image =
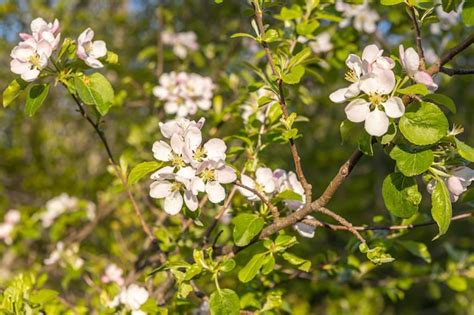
column 173, row 203
column 376, row 123
column 225, row 175
column 191, row 200
column 394, row 107
column 357, row 110
column 161, row 151
column 338, row 96
column 160, row 189
column 215, row 192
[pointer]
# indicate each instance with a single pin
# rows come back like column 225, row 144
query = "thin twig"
column 283, row 105
column 453, row 71
column 416, row 26
column 342, row 221
column 117, row 169
column 450, row 54
column 273, row 209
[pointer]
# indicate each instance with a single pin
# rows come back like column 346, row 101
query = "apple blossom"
column 321, row 43
column 371, row 60
column 65, row 256
column 362, row 17
column 132, row 297
column 30, row 57
column 90, row 51
column 113, row 274
column 12, row 217
column 460, row 178
column 264, row 183
column 410, row 61
column 184, row 93
column 182, row 43
column 446, row 19
column 375, row 111
column 209, row 176
column 57, row 206
column 41, row 30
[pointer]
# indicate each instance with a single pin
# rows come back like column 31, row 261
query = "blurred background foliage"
column 56, row 152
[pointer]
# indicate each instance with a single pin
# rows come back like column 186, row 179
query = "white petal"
column 376, row 123
column 371, row 53
column 193, row 138
column 412, row 61
column 305, row 230
column 190, row 200
column 215, row 149
column 353, row 90
column 353, row 62
column 173, row 203
column 394, row 107
column 264, row 176
column 338, row 96
column 226, row 175
column 98, row 49
column 215, row 192
column 160, row 189
column 93, row 63
column 30, row 75
column 197, row 185
column 357, row 110
column 177, row 143
column 426, row 79
column 187, row 172
column 161, row 151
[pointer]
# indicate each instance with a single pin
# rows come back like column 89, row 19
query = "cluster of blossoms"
column 372, row 74
column 65, row 256
column 192, row 167
column 32, row 54
column 268, row 183
column 62, row 204
column 459, row 180
column 12, row 217
column 446, row 19
column 251, row 106
column 184, row 93
column 182, row 43
column 113, row 274
column 362, row 17
column 132, row 298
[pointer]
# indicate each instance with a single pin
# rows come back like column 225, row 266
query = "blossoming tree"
column 199, row 168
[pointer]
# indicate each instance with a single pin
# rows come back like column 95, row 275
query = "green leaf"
column 390, row 135
column 302, row 264
column 415, row 89
column 441, row 207
column 246, row 227
column 418, row 249
column 441, row 99
column 95, row 90
column 365, row 144
column 270, row 36
column 401, row 195
column 294, row 76
column 35, row 98
column 268, row 264
column 423, row 123
column 250, row 270
column 287, row 195
column 467, row 13
column 43, row 296
column 464, row 150
column 457, row 283
column 283, row 241
column 412, row 163
column 290, row 14
column 224, row 302
column 300, row 57
column 391, row 2
column 141, row 170
column 307, row 28
column 237, row 35
column 13, row 90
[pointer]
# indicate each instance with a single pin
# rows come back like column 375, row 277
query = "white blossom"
column 57, row 206
column 362, row 17
column 12, row 217
column 251, row 106
column 132, row 297
column 113, row 273
column 184, row 93
column 264, row 183
column 90, row 51
column 182, row 43
column 209, row 176
column 410, row 61
column 65, row 256
column 42, row 30
column 321, row 43
column 30, row 57
column 459, row 180
column 446, row 19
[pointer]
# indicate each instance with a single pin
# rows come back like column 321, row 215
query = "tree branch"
column 453, row 71
column 273, row 209
column 416, row 26
column 450, row 54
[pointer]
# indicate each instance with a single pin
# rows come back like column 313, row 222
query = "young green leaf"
column 420, row 89
column 418, row 249
column 441, row 99
column 250, row 270
column 35, row 98
column 441, row 207
column 302, row 264
column 464, row 150
column 412, row 163
column 401, row 195
column 13, row 90
column 423, row 123
column 224, row 302
column 95, row 90
column 246, row 227
column 294, row 76
column 141, row 170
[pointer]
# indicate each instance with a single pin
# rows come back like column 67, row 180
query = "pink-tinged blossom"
column 57, row 206
column 362, row 17
column 459, row 180
column 210, row 175
column 42, row 30
column 184, row 93
column 113, row 273
column 410, row 61
column 29, row 58
column 264, row 183
column 90, row 51
column 182, row 43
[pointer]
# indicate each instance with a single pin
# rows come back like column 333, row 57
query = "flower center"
column 200, row 154
column 376, row 99
column 351, row 76
column 177, row 160
column 35, row 61
column 208, row 175
column 176, row 186
column 87, row 47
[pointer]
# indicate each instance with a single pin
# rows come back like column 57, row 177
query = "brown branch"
column 283, row 105
column 333, row 227
column 453, row 71
column 342, row 221
column 450, row 54
column 416, row 26
column 117, row 169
